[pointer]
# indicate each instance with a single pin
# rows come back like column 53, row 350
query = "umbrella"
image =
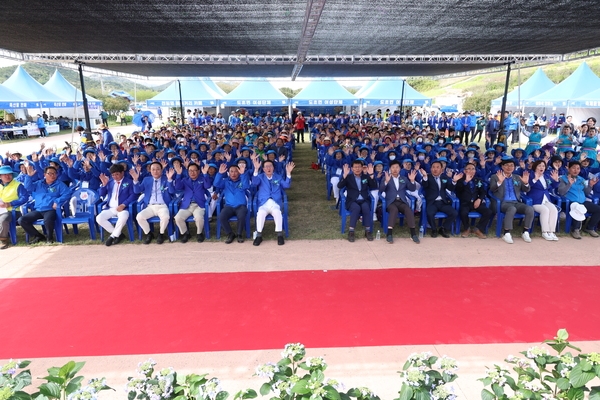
column 137, row 118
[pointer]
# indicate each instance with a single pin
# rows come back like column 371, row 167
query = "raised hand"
column 290, row 167
column 346, row 169
column 571, row 179
column 457, row 177
column 554, row 175
column 282, row 158
column 388, row 177
column 102, row 156
column 525, row 177
column 164, row 163
column 222, row 168
column 412, row 175
column 593, row 181
column 135, row 175
column 500, row 176
column 178, row 168
column 449, row 172
column 30, row 170
column 242, row 168
column 171, row 173
column 205, row 169
column 104, row 179
column 370, row 169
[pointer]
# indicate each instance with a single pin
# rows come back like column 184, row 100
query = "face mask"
column 419, row 140
column 392, row 157
column 457, row 142
column 421, row 158
column 440, row 141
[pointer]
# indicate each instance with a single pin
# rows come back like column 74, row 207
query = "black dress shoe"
column 36, row 239
column 240, row 238
column 257, row 241
column 110, row 241
column 389, row 239
column 415, row 239
column 434, row 233
column 185, row 237
column 119, row 239
column 160, row 239
column 443, row 233
column 351, row 236
column 280, row 240
column 148, row 238
column 369, row 236
column 200, row 237
column 230, row 238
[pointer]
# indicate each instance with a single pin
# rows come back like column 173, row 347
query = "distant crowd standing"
column 384, row 166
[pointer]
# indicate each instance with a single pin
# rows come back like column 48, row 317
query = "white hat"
column 577, row 211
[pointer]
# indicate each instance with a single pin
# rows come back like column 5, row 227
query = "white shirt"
column 114, row 195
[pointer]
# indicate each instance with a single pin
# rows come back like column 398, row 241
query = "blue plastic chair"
column 12, row 227
column 85, row 211
column 567, row 208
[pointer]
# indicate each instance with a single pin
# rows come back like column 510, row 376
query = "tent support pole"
column 181, row 103
column 402, row 102
column 86, row 112
column 504, row 97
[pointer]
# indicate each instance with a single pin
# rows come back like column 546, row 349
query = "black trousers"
column 228, row 212
column 27, row 220
column 593, row 209
column 440, row 206
column 299, row 134
column 396, row 207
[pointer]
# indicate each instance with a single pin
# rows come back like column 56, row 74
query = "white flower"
column 147, row 366
column 534, row 386
column 536, row 351
column 497, row 375
column 316, row 362
column 366, row 392
column 293, row 349
column 412, row 376
column 447, row 365
column 337, row 385
column 267, row 370
column 210, row 389
column 443, row 392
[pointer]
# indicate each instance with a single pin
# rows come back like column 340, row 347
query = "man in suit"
column 395, row 187
column 233, row 188
column 358, row 200
column 156, row 201
column 508, row 187
column 270, row 187
column 437, row 200
column 120, row 192
column 471, row 194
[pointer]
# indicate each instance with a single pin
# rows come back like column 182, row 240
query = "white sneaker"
column 526, row 237
column 374, row 217
column 554, row 237
column 507, row 238
column 547, row 236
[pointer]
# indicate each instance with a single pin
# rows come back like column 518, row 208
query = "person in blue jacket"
column 156, row 200
column 41, row 125
column 49, row 194
column 119, row 194
column 539, row 192
column 194, row 187
column 233, row 188
column 269, row 192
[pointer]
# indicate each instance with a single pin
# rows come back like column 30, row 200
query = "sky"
column 277, row 82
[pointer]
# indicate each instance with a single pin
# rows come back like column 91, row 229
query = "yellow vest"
column 9, row 192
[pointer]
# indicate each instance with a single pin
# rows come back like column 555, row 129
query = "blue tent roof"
column 590, row 100
column 215, row 88
column 58, row 85
column 256, row 94
column 579, row 83
column 10, row 100
column 194, row 92
column 537, row 84
column 324, row 93
column 389, row 93
column 363, row 89
column 31, row 90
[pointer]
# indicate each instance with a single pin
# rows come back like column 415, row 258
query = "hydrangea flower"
column 447, row 365
column 267, row 370
column 534, row 386
column 497, row 375
column 316, row 362
column 10, row 368
column 443, row 392
column 337, row 385
column 365, row 392
column 210, row 389
column 594, row 358
column 535, row 351
column 5, row 393
column 413, row 376
column 146, row 367
column 419, row 358
column 293, row 350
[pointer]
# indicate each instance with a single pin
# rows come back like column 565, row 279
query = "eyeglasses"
column 51, row 173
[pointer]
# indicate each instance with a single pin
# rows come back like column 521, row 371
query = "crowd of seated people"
column 217, row 171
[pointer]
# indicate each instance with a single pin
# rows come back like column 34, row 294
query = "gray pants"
column 510, row 208
column 5, row 224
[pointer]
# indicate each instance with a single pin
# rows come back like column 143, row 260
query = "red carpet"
column 88, row 316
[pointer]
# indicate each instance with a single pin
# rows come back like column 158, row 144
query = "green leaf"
column 131, row 395
column 498, row 391
column 344, row 396
column 74, row 385
column 563, row 384
column 50, row 389
column 585, row 365
column 265, row 389
column 20, row 395
column 573, row 347
column 77, row 368
column 511, row 382
column 422, row 394
column 284, row 361
column 432, row 360
column 597, row 370
column 24, row 379
column 303, row 366
column 487, row 395
column 53, row 371
column 55, row 379
column 317, row 376
column 315, row 397
column 486, row 381
column 301, row 387
column 562, row 334
column 222, row 395
column 594, row 393
column 66, row 369
column 579, row 378
column 353, row 392
column 526, row 394
column 249, row 394
column 180, row 397
column 406, row 393
column 331, row 393
column 406, row 365
column 575, row 394
column 24, row 364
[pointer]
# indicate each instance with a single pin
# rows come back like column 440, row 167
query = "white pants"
column 270, row 207
column 154, row 210
column 103, row 220
column 334, row 183
column 548, row 216
column 185, row 213
column 375, row 194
